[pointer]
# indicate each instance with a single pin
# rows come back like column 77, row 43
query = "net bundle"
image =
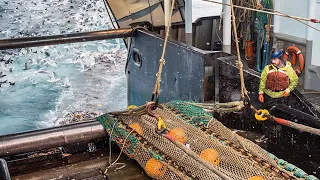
column 203, row 135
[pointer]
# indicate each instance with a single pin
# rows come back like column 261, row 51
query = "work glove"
column 286, row 92
column 261, row 98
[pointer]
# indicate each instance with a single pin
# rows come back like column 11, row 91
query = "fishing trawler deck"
column 87, row 166
column 312, row 96
column 213, row 76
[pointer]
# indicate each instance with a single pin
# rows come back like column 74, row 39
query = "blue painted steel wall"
column 182, row 76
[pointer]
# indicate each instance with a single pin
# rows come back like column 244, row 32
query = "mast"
column 167, row 5
column 312, row 14
column 188, row 21
column 226, row 27
column 276, row 19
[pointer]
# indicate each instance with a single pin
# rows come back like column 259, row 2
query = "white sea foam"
column 92, row 71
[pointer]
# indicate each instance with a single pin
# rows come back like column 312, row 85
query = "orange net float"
column 154, row 168
column 210, row 155
column 178, row 134
column 256, row 178
column 137, row 128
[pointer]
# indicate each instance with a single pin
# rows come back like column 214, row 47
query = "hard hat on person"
column 276, row 54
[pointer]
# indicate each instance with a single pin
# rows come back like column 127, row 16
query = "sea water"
column 59, row 79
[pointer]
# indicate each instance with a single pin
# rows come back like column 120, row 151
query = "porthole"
column 137, row 57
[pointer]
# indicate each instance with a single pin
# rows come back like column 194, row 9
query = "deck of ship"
column 312, row 96
column 85, row 166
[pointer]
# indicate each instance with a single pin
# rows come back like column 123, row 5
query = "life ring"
column 295, row 52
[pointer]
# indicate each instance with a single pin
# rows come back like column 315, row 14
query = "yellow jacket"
column 293, row 80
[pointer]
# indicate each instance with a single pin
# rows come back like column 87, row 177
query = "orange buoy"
column 249, row 53
column 249, row 49
column 210, row 155
column 295, row 53
column 256, row 178
column 178, row 134
column 155, row 168
column 137, row 128
column 78, row 115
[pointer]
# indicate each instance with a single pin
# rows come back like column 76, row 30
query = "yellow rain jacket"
column 293, row 80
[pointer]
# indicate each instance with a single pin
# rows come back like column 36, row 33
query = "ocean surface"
column 60, row 79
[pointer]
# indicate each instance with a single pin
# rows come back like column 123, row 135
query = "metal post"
column 167, row 6
column 276, row 19
column 51, row 137
column 64, row 39
column 308, row 60
column 226, row 27
column 188, row 21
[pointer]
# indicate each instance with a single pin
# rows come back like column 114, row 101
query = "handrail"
column 64, row 39
column 51, row 137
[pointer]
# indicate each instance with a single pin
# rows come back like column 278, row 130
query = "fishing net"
column 236, row 157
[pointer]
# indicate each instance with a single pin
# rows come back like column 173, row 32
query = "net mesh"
column 227, row 152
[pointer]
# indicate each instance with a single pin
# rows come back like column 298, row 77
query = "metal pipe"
column 289, row 38
column 188, row 22
column 167, row 5
column 276, row 19
column 310, row 54
column 226, row 28
column 64, row 39
column 50, row 137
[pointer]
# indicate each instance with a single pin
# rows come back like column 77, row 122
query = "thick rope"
column 243, row 88
column 267, row 12
column 297, row 126
column 277, row 13
column 220, row 107
column 156, row 90
column 299, row 20
column 287, row 123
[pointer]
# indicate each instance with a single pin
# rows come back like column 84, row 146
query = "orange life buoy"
column 249, row 49
column 295, row 52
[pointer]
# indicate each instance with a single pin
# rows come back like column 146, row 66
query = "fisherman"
column 277, row 80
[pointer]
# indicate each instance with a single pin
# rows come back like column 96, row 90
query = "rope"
column 156, row 90
column 277, row 13
column 265, row 115
column 298, row 19
column 110, row 150
column 274, row 12
column 243, row 88
column 220, row 107
column 115, row 162
column 297, row 126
